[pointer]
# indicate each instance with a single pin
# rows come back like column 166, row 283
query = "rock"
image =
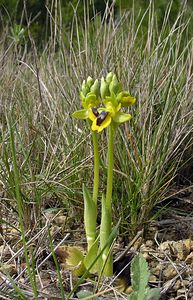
column 156, row 270
column 8, row 269
column 165, row 247
column 180, row 250
column 188, row 244
column 177, row 250
column 153, row 278
column 5, row 252
column 149, row 243
column 169, row 272
column 177, row 285
column 189, row 258
column 181, row 291
column 146, row 252
column 137, row 244
column 146, row 256
column 13, row 234
column 61, row 220
column 54, row 230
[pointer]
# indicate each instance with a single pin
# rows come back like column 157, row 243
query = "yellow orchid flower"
column 102, row 117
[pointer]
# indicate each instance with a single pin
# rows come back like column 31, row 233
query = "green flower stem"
column 90, row 209
column 110, row 167
column 96, row 167
column 108, row 270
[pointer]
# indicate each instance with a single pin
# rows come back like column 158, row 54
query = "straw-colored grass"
column 45, row 156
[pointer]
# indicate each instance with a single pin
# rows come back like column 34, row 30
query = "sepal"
column 121, row 117
column 80, row 114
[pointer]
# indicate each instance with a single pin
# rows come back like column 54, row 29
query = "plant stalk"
column 96, row 167
column 110, row 168
column 108, row 256
column 91, row 237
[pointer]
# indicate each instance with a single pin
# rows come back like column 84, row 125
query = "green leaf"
column 85, row 88
column 107, row 236
column 90, row 215
column 105, row 228
column 91, row 257
column 134, row 296
column 153, row 294
column 139, row 278
column 139, row 273
column 86, row 193
column 80, row 114
column 121, row 117
column 83, row 294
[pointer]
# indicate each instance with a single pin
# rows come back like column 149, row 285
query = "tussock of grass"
column 39, row 91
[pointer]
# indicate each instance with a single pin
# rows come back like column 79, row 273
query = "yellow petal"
column 91, row 115
column 103, row 125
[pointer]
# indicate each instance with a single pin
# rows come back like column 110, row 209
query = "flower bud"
column 82, row 96
column 84, row 88
column 109, row 77
column 95, row 88
column 114, row 86
column 125, row 99
column 104, row 89
column 89, row 82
